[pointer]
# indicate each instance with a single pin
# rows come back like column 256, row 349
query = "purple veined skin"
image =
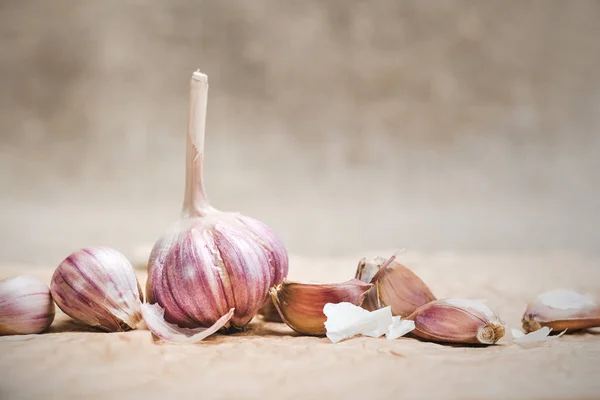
column 26, row 306
column 211, row 261
column 206, row 266
column 98, row 287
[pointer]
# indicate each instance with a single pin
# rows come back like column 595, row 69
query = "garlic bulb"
column 394, row 285
column 301, row 305
column 97, row 286
column 26, row 306
column 461, row 321
column 562, row 309
column 211, row 261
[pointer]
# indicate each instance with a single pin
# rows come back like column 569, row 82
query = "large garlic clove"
column 211, row 261
column 97, row 286
column 26, row 306
column 301, row 305
column 395, row 286
column 562, row 309
column 457, row 321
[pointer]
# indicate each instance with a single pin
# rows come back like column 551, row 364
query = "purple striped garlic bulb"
column 210, row 262
column 26, row 306
column 98, row 287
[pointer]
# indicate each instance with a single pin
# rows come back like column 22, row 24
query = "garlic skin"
column 460, row 321
column 98, row 287
column 562, row 310
column 211, row 261
column 394, row 285
column 26, row 306
column 300, row 305
column 345, row 320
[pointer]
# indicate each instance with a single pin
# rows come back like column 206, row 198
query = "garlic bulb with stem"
column 394, row 285
column 211, row 261
column 300, row 305
column 98, row 287
column 561, row 310
column 460, row 321
column 26, row 306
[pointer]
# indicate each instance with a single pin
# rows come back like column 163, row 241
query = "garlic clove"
column 268, row 312
column 301, row 305
column 26, row 306
column 98, row 287
column 395, row 286
column 153, row 315
column 562, row 310
column 457, row 321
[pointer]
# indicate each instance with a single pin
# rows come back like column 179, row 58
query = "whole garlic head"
column 26, row 306
column 97, row 286
column 210, row 261
column 206, row 266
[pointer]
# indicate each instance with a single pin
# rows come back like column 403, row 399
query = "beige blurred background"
column 345, row 125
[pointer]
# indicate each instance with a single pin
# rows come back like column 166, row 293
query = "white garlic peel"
column 153, row 315
column 26, row 306
column 97, row 286
column 540, row 335
column 345, row 320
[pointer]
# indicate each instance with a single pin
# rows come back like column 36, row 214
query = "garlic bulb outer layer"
column 211, row 261
column 562, row 309
column 301, row 305
column 26, row 306
column 461, row 321
column 394, row 285
column 97, row 286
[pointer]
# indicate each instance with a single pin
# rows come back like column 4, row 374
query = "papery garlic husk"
column 98, row 287
column 300, row 305
column 394, row 285
column 461, row 321
column 211, row 261
column 562, row 309
column 345, row 320
column 268, row 312
column 26, row 306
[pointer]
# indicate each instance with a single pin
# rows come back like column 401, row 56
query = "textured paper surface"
column 271, row 361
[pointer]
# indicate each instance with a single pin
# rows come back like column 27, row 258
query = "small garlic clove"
column 457, row 321
column 268, row 312
column 301, row 305
column 26, row 306
column 97, row 286
column 562, row 310
column 154, row 317
column 395, row 286
column 365, row 271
